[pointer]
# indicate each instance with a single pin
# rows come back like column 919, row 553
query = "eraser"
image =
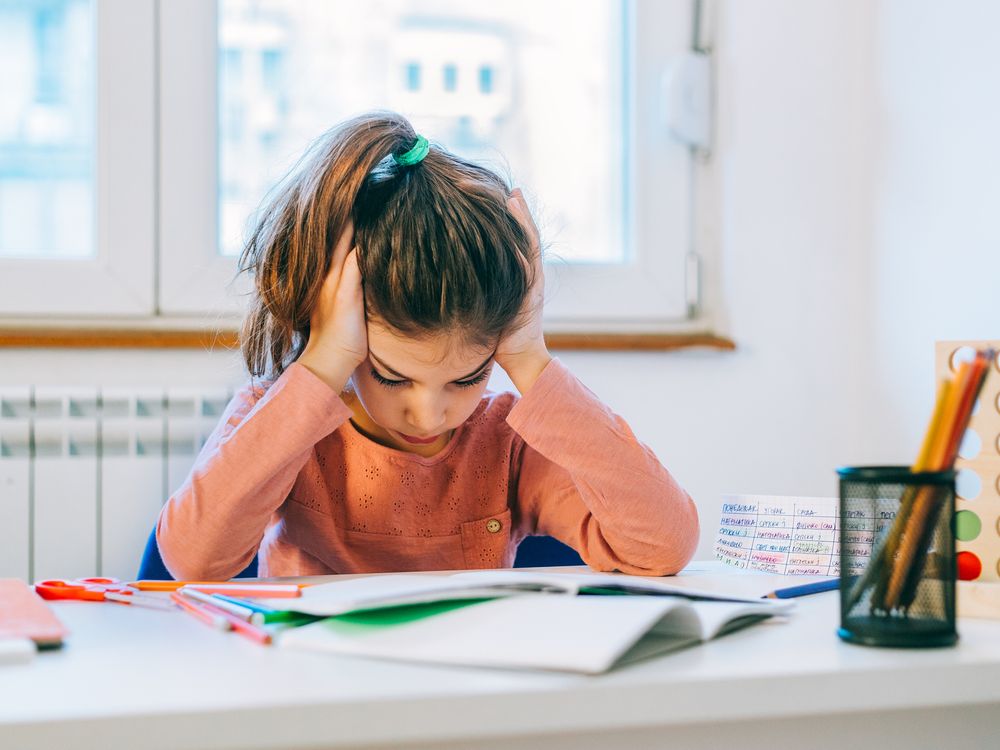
column 16, row 650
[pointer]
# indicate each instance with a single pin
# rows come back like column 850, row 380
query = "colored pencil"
column 805, row 589
column 267, row 591
column 174, row 585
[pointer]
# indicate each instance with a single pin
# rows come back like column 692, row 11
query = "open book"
column 558, row 621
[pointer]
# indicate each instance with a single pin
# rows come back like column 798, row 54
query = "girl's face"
column 414, row 393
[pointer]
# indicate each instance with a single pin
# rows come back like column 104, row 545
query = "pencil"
column 805, row 589
column 925, row 509
column 174, row 585
column 264, row 590
column 882, row 558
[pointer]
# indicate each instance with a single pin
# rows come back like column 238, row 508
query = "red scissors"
column 98, row 590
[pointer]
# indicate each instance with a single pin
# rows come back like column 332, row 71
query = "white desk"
column 131, row 678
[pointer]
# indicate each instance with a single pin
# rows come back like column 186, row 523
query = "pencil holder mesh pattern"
column 897, row 556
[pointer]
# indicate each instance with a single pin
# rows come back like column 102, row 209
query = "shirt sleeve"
column 212, row 526
column 586, row 480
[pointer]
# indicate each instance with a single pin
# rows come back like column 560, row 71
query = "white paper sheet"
column 795, row 535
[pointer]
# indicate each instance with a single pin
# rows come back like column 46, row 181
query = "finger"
column 349, row 294
column 344, row 244
column 350, row 277
column 331, row 283
column 518, row 206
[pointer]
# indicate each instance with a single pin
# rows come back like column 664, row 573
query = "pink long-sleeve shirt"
column 287, row 474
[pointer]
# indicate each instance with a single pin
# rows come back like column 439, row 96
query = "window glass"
column 47, row 129
column 534, row 89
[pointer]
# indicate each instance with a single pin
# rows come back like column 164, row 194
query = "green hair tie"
column 415, row 155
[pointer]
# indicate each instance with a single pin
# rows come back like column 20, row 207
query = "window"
column 46, row 131
column 76, row 189
column 412, row 76
column 563, row 96
column 485, row 79
column 450, row 77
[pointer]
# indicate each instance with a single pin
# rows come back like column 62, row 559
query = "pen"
column 805, row 589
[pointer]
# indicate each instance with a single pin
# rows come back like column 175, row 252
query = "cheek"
column 465, row 402
column 375, row 399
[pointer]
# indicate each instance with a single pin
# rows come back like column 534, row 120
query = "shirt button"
column 493, row 526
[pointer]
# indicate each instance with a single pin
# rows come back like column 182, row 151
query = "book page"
column 381, row 591
column 572, row 633
column 586, row 634
column 796, row 535
column 593, row 583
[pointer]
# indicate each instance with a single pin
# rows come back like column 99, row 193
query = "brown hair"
column 437, row 247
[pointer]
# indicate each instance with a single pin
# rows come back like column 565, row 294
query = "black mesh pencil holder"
column 897, row 556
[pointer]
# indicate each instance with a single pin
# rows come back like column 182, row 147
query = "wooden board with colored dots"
column 977, row 505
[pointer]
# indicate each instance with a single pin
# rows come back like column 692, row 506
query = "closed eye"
column 474, row 381
column 390, row 383
column 386, row 381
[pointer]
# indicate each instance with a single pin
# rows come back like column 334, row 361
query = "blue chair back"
column 152, row 568
column 533, row 552
column 543, row 552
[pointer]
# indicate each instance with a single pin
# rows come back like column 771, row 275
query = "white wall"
column 937, row 240
column 855, row 185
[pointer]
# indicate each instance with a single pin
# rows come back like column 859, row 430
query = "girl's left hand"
column 522, row 353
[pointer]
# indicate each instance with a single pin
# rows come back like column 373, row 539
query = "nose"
column 425, row 414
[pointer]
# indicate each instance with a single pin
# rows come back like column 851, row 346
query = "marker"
column 241, row 626
column 241, row 611
column 215, row 621
column 805, row 589
column 269, row 615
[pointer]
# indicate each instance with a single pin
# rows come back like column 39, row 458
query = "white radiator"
column 84, row 472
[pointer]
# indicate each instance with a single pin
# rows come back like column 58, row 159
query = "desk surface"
column 127, row 673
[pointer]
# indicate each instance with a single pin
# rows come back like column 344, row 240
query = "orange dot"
column 969, row 566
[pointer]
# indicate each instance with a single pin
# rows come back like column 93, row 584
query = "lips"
column 418, row 441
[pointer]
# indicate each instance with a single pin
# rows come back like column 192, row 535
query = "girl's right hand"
column 338, row 336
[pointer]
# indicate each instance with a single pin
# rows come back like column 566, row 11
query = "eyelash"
column 460, row 383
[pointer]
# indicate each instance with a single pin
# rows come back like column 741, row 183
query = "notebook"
column 508, row 624
column 25, row 615
column 380, row 591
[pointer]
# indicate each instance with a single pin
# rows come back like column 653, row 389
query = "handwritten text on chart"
column 796, row 535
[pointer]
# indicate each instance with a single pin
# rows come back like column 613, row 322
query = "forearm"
column 211, row 527
column 636, row 517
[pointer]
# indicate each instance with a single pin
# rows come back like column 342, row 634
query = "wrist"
column 526, row 367
column 333, row 370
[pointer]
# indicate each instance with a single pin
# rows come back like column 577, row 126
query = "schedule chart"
column 797, row 535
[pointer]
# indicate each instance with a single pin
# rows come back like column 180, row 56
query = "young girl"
column 390, row 277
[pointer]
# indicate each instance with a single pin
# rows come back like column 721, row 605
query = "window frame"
column 157, row 191
column 118, row 280
column 649, row 293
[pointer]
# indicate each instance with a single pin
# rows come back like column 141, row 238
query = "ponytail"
column 438, row 249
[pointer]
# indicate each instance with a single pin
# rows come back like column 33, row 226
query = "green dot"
column 967, row 525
